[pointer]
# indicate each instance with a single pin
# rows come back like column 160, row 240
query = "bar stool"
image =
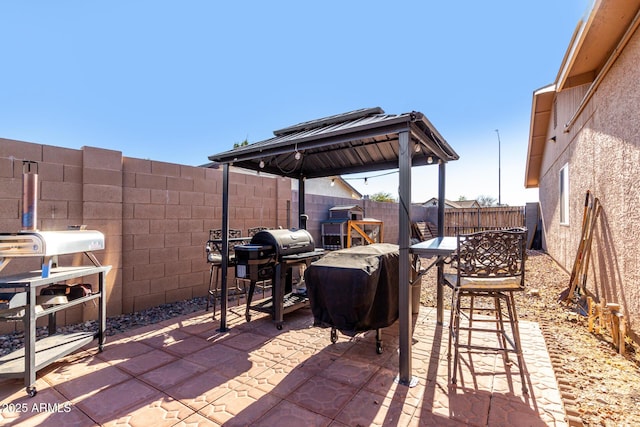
column 489, row 265
column 214, row 258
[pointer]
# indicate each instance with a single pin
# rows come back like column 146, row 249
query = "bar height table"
column 441, row 248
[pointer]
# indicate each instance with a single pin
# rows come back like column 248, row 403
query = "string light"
column 333, row 182
column 261, row 164
column 430, row 160
column 366, row 178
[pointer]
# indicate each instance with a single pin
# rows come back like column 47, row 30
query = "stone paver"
column 184, row 371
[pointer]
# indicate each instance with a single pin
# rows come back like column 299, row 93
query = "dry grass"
column 601, row 387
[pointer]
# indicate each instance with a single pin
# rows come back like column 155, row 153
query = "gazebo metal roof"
column 358, row 141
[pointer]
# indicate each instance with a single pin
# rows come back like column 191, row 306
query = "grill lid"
column 285, row 242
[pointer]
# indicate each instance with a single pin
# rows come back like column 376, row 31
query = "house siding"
column 602, row 149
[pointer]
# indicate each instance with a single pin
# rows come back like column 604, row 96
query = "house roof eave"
column 594, row 41
column 541, row 110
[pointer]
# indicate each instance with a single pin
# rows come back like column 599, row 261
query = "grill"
column 255, row 261
column 46, row 244
column 49, row 243
column 272, row 254
column 27, row 296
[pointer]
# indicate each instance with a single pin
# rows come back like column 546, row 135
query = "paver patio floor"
column 184, row 372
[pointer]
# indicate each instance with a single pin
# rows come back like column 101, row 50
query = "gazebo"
column 363, row 140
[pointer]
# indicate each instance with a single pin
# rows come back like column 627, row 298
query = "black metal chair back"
column 491, row 254
column 490, row 265
column 213, row 249
column 254, row 230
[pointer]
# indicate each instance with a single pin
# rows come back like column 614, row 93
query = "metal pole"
column 441, row 197
column 440, row 274
column 29, row 195
column 302, row 218
column 225, row 248
column 404, row 295
column 499, row 200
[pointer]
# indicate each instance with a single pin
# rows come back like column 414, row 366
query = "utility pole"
column 499, row 200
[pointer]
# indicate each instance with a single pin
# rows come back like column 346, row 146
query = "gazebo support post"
column 302, row 219
column 225, row 248
column 441, row 203
column 404, row 233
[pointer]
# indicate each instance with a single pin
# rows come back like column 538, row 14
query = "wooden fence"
column 470, row 220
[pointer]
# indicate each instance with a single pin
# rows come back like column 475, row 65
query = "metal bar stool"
column 214, row 258
column 489, row 265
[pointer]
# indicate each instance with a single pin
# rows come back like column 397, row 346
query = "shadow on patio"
column 183, row 372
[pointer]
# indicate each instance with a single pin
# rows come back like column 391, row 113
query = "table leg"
column 52, row 324
column 252, row 289
column 440, row 293
column 30, row 342
column 102, row 310
column 278, row 294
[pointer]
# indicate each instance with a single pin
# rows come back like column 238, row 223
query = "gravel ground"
column 599, row 386
column 115, row 325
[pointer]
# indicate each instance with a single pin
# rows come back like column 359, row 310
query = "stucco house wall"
column 602, row 149
column 332, row 186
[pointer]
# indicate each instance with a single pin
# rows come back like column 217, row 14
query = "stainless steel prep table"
column 38, row 354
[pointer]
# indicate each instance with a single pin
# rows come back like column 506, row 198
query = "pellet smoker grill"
column 21, row 296
column 272, row 254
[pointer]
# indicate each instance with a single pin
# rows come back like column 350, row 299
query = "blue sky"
column 177, row 81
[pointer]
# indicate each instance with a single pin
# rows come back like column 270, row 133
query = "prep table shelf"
column 48, row 350
column 39, row 353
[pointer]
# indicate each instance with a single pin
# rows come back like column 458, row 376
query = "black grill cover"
column 355, row 289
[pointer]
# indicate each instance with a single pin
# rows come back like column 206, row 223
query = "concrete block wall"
column 101, row 209
column 168, row 210
column 156, row 218
column 74, row 187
